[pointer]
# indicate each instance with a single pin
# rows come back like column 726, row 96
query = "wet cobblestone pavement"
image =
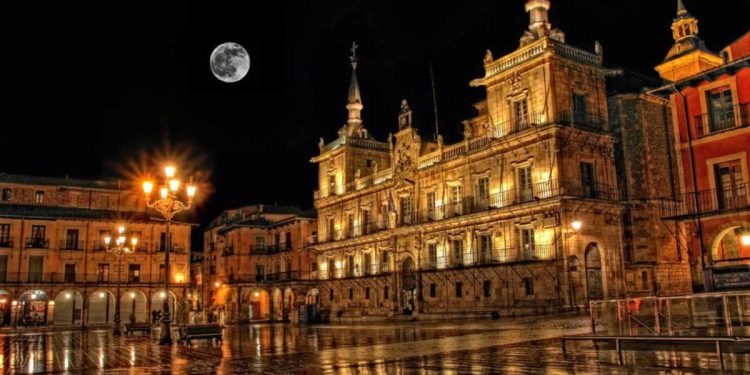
column 518, row 346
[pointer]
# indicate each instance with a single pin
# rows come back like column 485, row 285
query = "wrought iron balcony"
column 71, row 245
column 6, row 242
column 706, row 203
column 37, row 243
column 538, row 252
column 710, row 123
column 109, row 277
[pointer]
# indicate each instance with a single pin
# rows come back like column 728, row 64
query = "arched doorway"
column 288, row 303
column 278, row 308
column 731, row 245
column 33, row 310
column 409, row 285
column 312, row 305
column 260, row 303
column 594, row 287
column 68, row 308
column 101, row 307
column 133, row 307
column 157, row 305
column 6, row 302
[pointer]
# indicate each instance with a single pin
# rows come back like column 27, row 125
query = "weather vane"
column 353, row 57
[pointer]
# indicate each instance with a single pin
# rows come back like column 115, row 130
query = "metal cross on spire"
column 353, row 57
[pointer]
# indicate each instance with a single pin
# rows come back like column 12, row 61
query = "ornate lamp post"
column 168, row 205
column 119, row 249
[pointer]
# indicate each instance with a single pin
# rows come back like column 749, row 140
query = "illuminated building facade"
column 521, row 216
column 709, row 98
column 256, row 265
column 54, row 267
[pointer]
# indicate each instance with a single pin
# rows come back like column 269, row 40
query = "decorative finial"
column 681, row 7
column 353, row 57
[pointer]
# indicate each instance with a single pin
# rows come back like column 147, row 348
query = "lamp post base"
column 165, row 336
column 118, row 328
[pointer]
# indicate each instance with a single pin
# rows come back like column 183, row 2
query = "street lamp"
column 168, row 205
column 119, row 249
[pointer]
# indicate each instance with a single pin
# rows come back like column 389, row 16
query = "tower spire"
column 681, row 8
column 353, row 127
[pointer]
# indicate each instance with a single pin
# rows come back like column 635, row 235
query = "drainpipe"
column 695, row 183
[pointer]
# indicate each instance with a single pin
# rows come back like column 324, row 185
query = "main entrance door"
column 594, row 273
column 409, row 282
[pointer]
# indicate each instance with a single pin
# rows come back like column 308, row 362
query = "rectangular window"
column 485, row 248
column 331, row 269
column 365, row 224
column 405, row 210
column 288, row 240
column 101, row 246
column 350, row 230
column 368, row 264
column 36, row 267
column 385, row 293
column 458, row 252
column 487, row 288
column 528, row 285
column 731, row 191
column 351, row 294
column 5, row 235
column 588, row 180
column 260, row 272
column 38, row 237
column 525, row 184
column 721, row 110
column 330, row 294
column 580, row 112
column 456, row 197
column 431, row 205
column 70, row 273
column 432, row 255
column 71, row 240
column 459, row 289
column 134, row 273
column 527, row 243
column 3, row 267
column 332, row 184
column 7, row 194
column 385, row 264
column 102, row 272
column 260, row 243
column 483, row 192
column 162, row 241
column 644, row 280
column 39, row 196
column 521, row 114
column 433, row 290
column 331, row 227
column 367, row 293
column 351, row 265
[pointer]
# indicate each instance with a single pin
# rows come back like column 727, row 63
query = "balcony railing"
column 270, row 249
column 707, row 202
column 71, row 245
column 81, row 278
column 538, row 252
column 576, row 119
column 37, row 243
column 6, row 242
column 708, row 123
column 585, row 120
column 267, row 277
column 469, row 205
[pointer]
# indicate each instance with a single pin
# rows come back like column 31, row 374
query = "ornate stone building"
column 256, row 265
column 54, row 269
column 709, row 101
column 523, row 215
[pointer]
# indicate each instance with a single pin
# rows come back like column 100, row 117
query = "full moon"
column 230, row 62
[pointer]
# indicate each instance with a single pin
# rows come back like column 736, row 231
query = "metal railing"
column 537, row 252
column 6, row 242
column 706, row 202
column 71, row 245
column 80, row 278
column 708, row 123
column 582, row 119
column 36, row 243
column 270, row 248
column 725, row 314
column 267, row 277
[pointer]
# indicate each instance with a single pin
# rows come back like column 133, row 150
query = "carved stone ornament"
column 404, row 161
column 516, row 83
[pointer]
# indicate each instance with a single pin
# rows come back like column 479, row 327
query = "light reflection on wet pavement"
column 517, row 346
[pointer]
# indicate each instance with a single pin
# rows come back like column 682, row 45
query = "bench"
column 717, row 341
column 199, row 331
column 138, row 327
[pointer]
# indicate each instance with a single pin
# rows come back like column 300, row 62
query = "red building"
column 710, row 101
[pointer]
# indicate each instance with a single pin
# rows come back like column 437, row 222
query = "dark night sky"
column 89, row 87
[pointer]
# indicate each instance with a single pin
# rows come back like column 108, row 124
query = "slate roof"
column 61, row 181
